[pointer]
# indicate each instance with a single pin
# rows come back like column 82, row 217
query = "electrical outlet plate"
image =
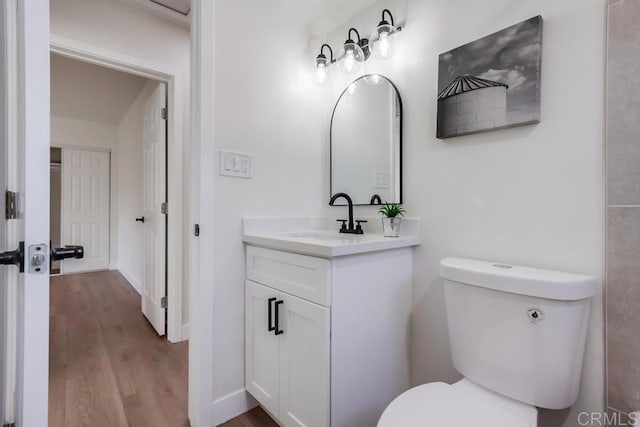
column 235, row 164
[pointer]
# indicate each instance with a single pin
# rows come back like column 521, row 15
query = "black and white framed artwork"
column 491, row 83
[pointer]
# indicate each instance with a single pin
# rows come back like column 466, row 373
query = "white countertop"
column 312, row 236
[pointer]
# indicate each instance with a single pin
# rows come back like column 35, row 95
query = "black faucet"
column 350, row 228
column 375, row 198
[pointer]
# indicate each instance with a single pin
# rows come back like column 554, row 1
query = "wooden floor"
column 107, row 365
column 254, row 418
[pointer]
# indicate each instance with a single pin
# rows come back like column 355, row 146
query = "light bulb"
column 352, row 59
column 349, row 62
column 384, row 44
column 384, row 47
column 321, row 75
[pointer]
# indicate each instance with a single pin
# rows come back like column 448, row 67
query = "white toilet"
column 517, row 335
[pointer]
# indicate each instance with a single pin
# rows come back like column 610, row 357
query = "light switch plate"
column 235, row 164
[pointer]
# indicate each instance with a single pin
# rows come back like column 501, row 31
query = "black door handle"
column 277, row 328
column 269, row 302
column 141, row 219
column 69, row 251
column 14, row 257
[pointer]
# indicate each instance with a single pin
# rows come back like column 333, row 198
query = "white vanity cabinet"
column 327, row 339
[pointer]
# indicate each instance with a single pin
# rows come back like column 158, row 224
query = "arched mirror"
column 366, row 142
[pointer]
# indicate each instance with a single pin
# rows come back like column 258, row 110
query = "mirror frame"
column 400, row 147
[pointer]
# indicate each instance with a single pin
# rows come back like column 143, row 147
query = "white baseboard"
column 133, row 280
column 232, row 405
column 185, row 332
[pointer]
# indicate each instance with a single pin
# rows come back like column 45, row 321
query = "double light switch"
column 235, row 164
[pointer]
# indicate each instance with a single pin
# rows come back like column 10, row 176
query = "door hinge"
column 164, row 208
column 11, row 204
column 163, row 302
column 196, row 230
column 164, row 113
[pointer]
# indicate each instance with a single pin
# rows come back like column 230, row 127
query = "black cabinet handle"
column 278, row 330
column 141, row 219
column 269, row 302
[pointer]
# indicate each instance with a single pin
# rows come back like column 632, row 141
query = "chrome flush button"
column 535, row 314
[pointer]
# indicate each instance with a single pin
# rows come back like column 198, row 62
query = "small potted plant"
column 392, row 214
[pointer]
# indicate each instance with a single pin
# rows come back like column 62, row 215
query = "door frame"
column 175, row 145
column 202, row 345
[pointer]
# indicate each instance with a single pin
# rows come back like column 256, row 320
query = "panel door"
column 304, row 363
column 85, row 208
column 24, row 168
column 155, row 221
column 5, row 274
column 262, row 346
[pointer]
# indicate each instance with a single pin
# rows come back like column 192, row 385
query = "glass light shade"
column 352, row 59
column 385, row 46
column 320, row 77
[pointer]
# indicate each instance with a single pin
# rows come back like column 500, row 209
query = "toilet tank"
column 518, row 331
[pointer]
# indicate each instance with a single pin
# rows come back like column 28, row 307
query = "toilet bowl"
column 517, row 336
column 459, row 404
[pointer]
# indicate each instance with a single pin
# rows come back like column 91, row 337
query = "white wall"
column 265, row 105
column 531, row 195
column 120, row 27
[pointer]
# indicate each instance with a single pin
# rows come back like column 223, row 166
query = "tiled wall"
column 623, row 206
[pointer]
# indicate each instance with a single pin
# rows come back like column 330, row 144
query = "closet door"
column 85, row 208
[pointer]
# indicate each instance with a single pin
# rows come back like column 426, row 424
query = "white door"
column 4, row 244
column 24, row 139
column 262, row 346
column 155, row 221
column 85, row 208
column 304, row 363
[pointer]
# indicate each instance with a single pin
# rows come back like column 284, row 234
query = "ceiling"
column 84, row 91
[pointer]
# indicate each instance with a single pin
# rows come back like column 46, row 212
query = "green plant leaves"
column 391, row 210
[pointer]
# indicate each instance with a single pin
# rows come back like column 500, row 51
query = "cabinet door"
column 262, row 347
column 304, row 363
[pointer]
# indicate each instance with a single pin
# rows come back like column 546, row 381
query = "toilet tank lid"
column 515, row 279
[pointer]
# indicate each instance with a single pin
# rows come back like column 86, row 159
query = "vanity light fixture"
column 355, row 53
column 384, row 47
column 321, row 65
column 357, row 50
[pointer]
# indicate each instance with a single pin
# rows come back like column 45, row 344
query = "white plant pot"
column 391, row 226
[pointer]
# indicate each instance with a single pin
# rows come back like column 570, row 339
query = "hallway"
column 107, row 365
